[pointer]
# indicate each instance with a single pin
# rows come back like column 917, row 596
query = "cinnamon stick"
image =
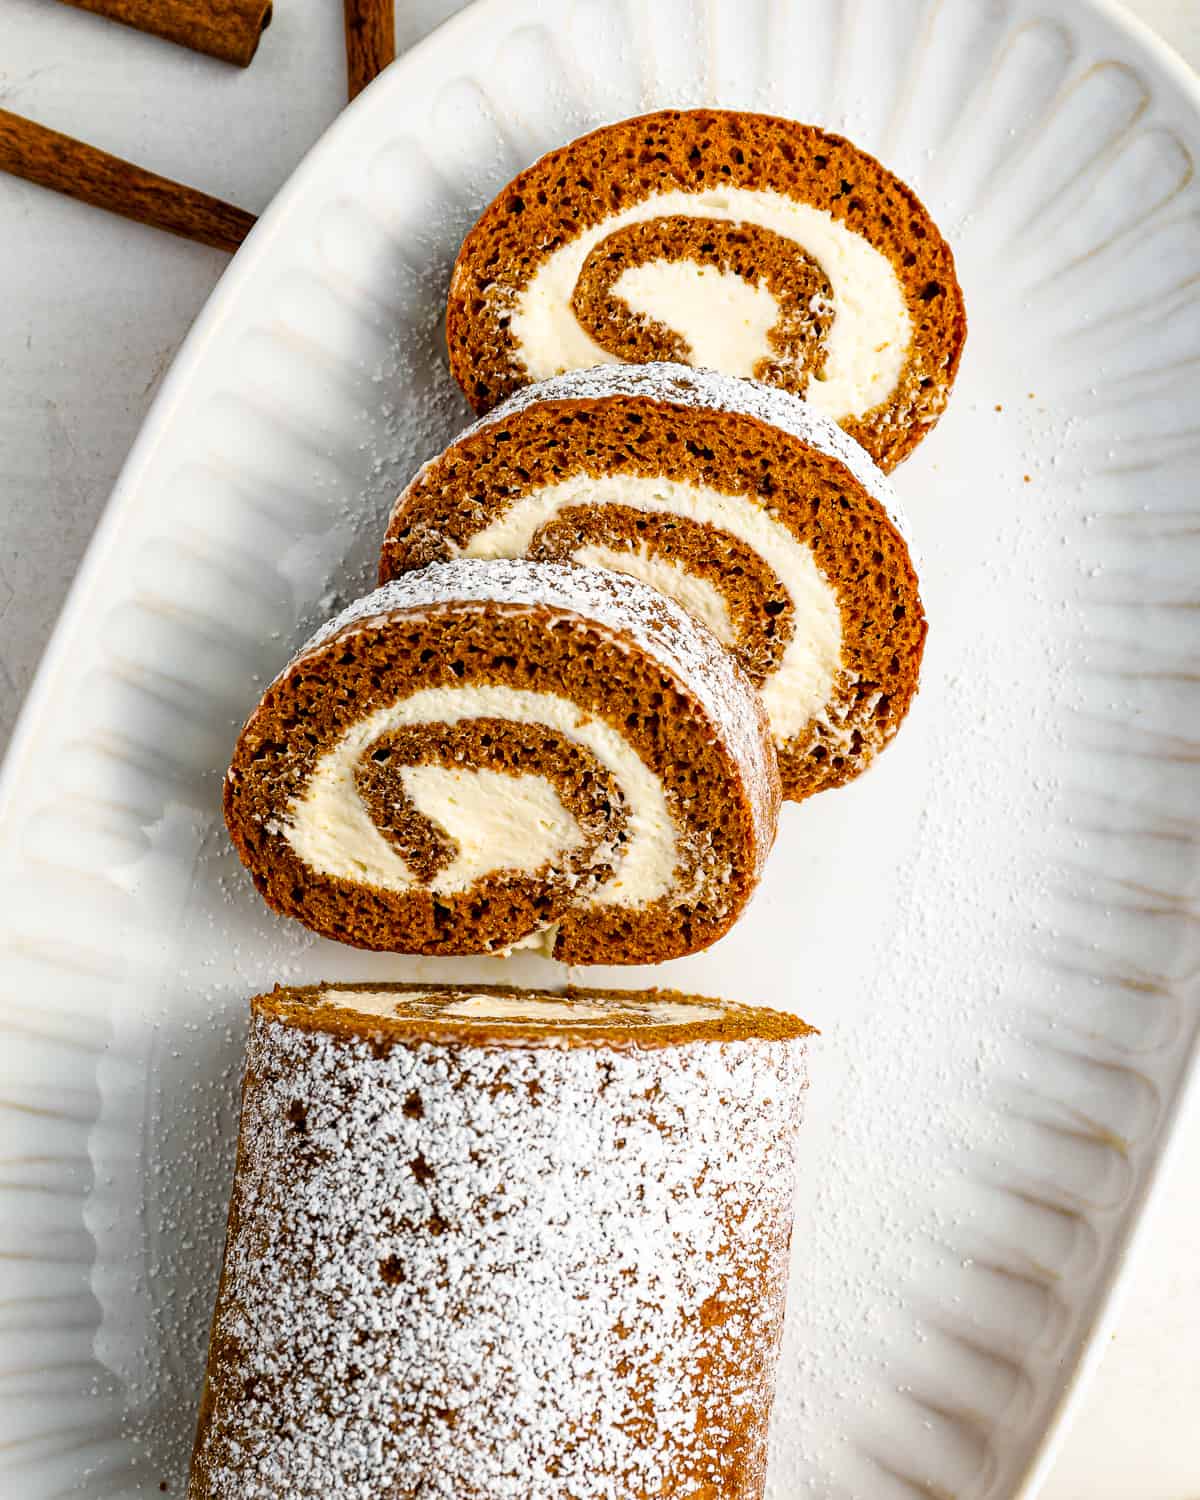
column 370, row 40
column 41, row 155
column 228, row 29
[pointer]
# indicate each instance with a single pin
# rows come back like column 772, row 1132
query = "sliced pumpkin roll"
column 754, row 512
column 485, row 755
column 738, row 242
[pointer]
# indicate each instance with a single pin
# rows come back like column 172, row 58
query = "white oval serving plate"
column 995, row 930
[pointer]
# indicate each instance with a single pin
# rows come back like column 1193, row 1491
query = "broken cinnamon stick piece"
column 228, row 29
column 370, row 40
column 52, row 160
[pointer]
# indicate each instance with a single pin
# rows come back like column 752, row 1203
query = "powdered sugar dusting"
column 683, row 385
column 626, row 607
column 515, row 1271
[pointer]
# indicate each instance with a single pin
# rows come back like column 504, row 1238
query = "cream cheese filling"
column 802, row 684
column 331, row 831
column 866, row 344
column 699, row 597
column 724, row 319
column 515, row 1008
column 497, row 820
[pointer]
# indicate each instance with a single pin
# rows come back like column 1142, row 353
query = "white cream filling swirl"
column 548, row 1009
column 865, row 348
column 500, row 822
column 801, row 686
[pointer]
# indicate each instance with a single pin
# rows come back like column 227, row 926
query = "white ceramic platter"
column 995, row 931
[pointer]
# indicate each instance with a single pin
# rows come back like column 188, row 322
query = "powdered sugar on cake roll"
column 682, row 385
column 522, row 1271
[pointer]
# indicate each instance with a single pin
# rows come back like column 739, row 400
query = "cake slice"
column 757, row 514
column 485, row 1242
column 737, row 242
column 482, row 755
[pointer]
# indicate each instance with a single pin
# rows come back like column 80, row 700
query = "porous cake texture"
column 754, row 512
column 482, row 755
column 732, row 241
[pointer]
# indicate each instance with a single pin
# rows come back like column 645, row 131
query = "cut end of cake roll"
column 488, row 755
column 739, row 242
column 755, row 513
column 502, row 1015
column 487, row 1242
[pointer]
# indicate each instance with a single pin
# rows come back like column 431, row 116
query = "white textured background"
column 92, row 311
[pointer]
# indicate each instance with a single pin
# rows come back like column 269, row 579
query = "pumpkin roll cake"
column 737, row 242
column 754, row 512
column 487, row 1243
column 485, row 755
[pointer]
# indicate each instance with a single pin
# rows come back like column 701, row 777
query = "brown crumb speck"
column 391, row 1269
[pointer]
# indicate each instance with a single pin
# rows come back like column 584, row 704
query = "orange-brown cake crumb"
column 740, row 501
column 737, row 241
column 485, row 755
